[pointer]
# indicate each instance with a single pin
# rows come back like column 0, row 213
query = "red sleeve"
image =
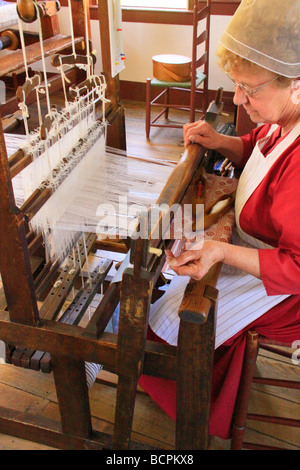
column 280, row 267
column 249, row 141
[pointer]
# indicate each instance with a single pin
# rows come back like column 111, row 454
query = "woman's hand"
column 201, row 132
column 196, row 263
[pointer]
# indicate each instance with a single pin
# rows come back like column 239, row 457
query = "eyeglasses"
column 250, row 91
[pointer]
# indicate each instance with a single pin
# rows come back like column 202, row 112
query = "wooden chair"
column 163, row 99
column 254, row 343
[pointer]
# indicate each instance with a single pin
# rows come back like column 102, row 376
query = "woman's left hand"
column 196, row 263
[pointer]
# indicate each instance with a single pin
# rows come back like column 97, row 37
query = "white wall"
column 142, row 41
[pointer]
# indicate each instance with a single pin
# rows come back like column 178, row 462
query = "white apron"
column 242, row 297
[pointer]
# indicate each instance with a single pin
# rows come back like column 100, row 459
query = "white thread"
column 73, row 164
column 23, row 46
column 87, row 42
column 71, row 26
column 43, row 57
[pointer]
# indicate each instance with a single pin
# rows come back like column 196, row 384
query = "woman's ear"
column 296, row 91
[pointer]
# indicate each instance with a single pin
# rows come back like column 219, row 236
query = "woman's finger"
column 184, row 258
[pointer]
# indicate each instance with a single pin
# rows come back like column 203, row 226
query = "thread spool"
column 172, row 68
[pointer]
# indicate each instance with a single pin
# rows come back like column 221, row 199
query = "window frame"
column 165, row 16
column 180, row 17
column 190, row 4
column 190, row 7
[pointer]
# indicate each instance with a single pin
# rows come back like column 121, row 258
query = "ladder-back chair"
column 170, row 86
column 256, row 342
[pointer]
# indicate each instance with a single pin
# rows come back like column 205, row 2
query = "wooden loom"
column 128, row 353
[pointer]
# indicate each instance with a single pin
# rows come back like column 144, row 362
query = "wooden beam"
column 68, row 340
column 33, row 53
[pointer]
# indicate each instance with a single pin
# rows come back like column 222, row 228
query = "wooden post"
column 240, row 414
column 14, row 260
column 72, row 395
column 116, row 135
column 195, row 353
column 134, row 310
column 79, row 13
column 195, row 362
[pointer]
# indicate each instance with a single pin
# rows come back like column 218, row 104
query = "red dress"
column 272, row 215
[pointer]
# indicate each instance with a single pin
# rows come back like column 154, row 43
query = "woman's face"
column 271, row 104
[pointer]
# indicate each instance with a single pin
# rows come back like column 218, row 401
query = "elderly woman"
column 260, row 52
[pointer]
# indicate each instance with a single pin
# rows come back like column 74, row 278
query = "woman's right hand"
column 202, row 133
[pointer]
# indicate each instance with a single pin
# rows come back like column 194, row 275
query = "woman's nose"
column 239, row 96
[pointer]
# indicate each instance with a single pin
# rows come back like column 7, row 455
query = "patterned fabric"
column 221, row 230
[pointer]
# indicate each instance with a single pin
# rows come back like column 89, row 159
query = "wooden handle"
column 199, row 297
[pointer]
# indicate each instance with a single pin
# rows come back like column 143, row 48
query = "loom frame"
column 128, row 353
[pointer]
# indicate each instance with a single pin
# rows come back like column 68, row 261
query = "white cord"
column 71, row 26
column 43, row 58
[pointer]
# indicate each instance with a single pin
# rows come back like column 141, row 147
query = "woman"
column 261, row 54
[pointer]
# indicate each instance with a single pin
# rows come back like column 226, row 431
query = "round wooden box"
column 172, row 68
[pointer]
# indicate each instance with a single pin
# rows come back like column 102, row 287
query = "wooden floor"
column 34, row 393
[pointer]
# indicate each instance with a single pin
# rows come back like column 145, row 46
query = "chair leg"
column 240, row 415
column 148, row 107
column 193, row 106
column 166, row 101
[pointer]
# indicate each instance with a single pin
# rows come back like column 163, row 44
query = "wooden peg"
column 29, row 85
column 26, row 10
column 45, row 127
column 58, row 59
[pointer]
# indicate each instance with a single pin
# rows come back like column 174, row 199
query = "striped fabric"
column 92, row 371
column 242, row 299
column 238, row 303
